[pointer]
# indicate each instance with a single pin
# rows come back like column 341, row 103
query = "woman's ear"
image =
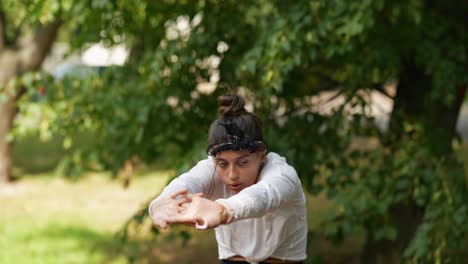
column 263, row 156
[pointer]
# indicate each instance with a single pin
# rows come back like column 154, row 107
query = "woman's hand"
column 171, row 206
column 202, row 213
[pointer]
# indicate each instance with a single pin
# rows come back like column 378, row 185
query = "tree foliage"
column 282, row 55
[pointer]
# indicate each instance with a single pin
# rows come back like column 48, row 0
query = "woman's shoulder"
column 275, row 160
column 273, row 157
column 277, row 166
column 204, row 164
column 208, row 161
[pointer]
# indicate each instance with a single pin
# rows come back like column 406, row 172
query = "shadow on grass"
column 96, row 247
column 59, row 243
column 93, row 246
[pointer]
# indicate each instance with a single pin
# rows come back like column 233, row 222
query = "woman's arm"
column 181, row 190
column 171, row 205
column 196, row 180
column 278, row 183
column 201, row 213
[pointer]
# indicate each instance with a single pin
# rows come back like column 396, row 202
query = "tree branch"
column 36, row 46
column 380, row 87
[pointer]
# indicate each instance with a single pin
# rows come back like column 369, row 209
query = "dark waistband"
column 226, row 261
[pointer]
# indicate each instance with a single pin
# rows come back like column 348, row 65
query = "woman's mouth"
column 235, row 187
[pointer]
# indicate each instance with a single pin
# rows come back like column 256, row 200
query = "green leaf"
column 386, row 232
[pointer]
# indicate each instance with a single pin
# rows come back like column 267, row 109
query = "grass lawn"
column 50, row 220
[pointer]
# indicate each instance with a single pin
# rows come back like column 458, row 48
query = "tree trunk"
column 9, row 67
column 7, row 113
column 15, row 60
column 413, row 105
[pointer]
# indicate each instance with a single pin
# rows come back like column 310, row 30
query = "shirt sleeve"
column 278, row 183
column 196, row 180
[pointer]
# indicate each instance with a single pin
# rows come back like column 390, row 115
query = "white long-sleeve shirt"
column 269, row 216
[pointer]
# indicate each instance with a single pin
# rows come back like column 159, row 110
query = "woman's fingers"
column 201, row 223
column 183, row 208
column 193, row 221
column 174, row 195
column 187, row 197
column 160, row 223
column 179, row 207
column 180, row 218
column 199, row 213
column 183, row 200
column 189, row 214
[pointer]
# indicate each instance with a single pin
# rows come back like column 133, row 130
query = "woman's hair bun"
column 231, row 105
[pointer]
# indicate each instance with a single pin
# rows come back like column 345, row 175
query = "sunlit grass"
column 51, row 220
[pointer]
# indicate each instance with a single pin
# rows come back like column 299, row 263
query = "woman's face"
column 238, row 169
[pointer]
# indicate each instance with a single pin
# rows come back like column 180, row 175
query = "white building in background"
column 60, row 61
column 101, row 56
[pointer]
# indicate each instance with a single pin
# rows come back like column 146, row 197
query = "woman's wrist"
column 227, row 214
column 224, row 215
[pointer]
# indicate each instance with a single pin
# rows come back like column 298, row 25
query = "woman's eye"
column 222, row 164
column 243, row 162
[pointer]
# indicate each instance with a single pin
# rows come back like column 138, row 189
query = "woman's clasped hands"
column 182, row 207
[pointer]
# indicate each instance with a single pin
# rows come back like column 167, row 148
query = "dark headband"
column 236, row 140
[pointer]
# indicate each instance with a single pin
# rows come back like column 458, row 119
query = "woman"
column 252, row 199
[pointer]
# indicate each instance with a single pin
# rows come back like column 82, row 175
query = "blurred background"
column 102, row 102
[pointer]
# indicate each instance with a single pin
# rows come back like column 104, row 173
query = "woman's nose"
column 233, row 173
